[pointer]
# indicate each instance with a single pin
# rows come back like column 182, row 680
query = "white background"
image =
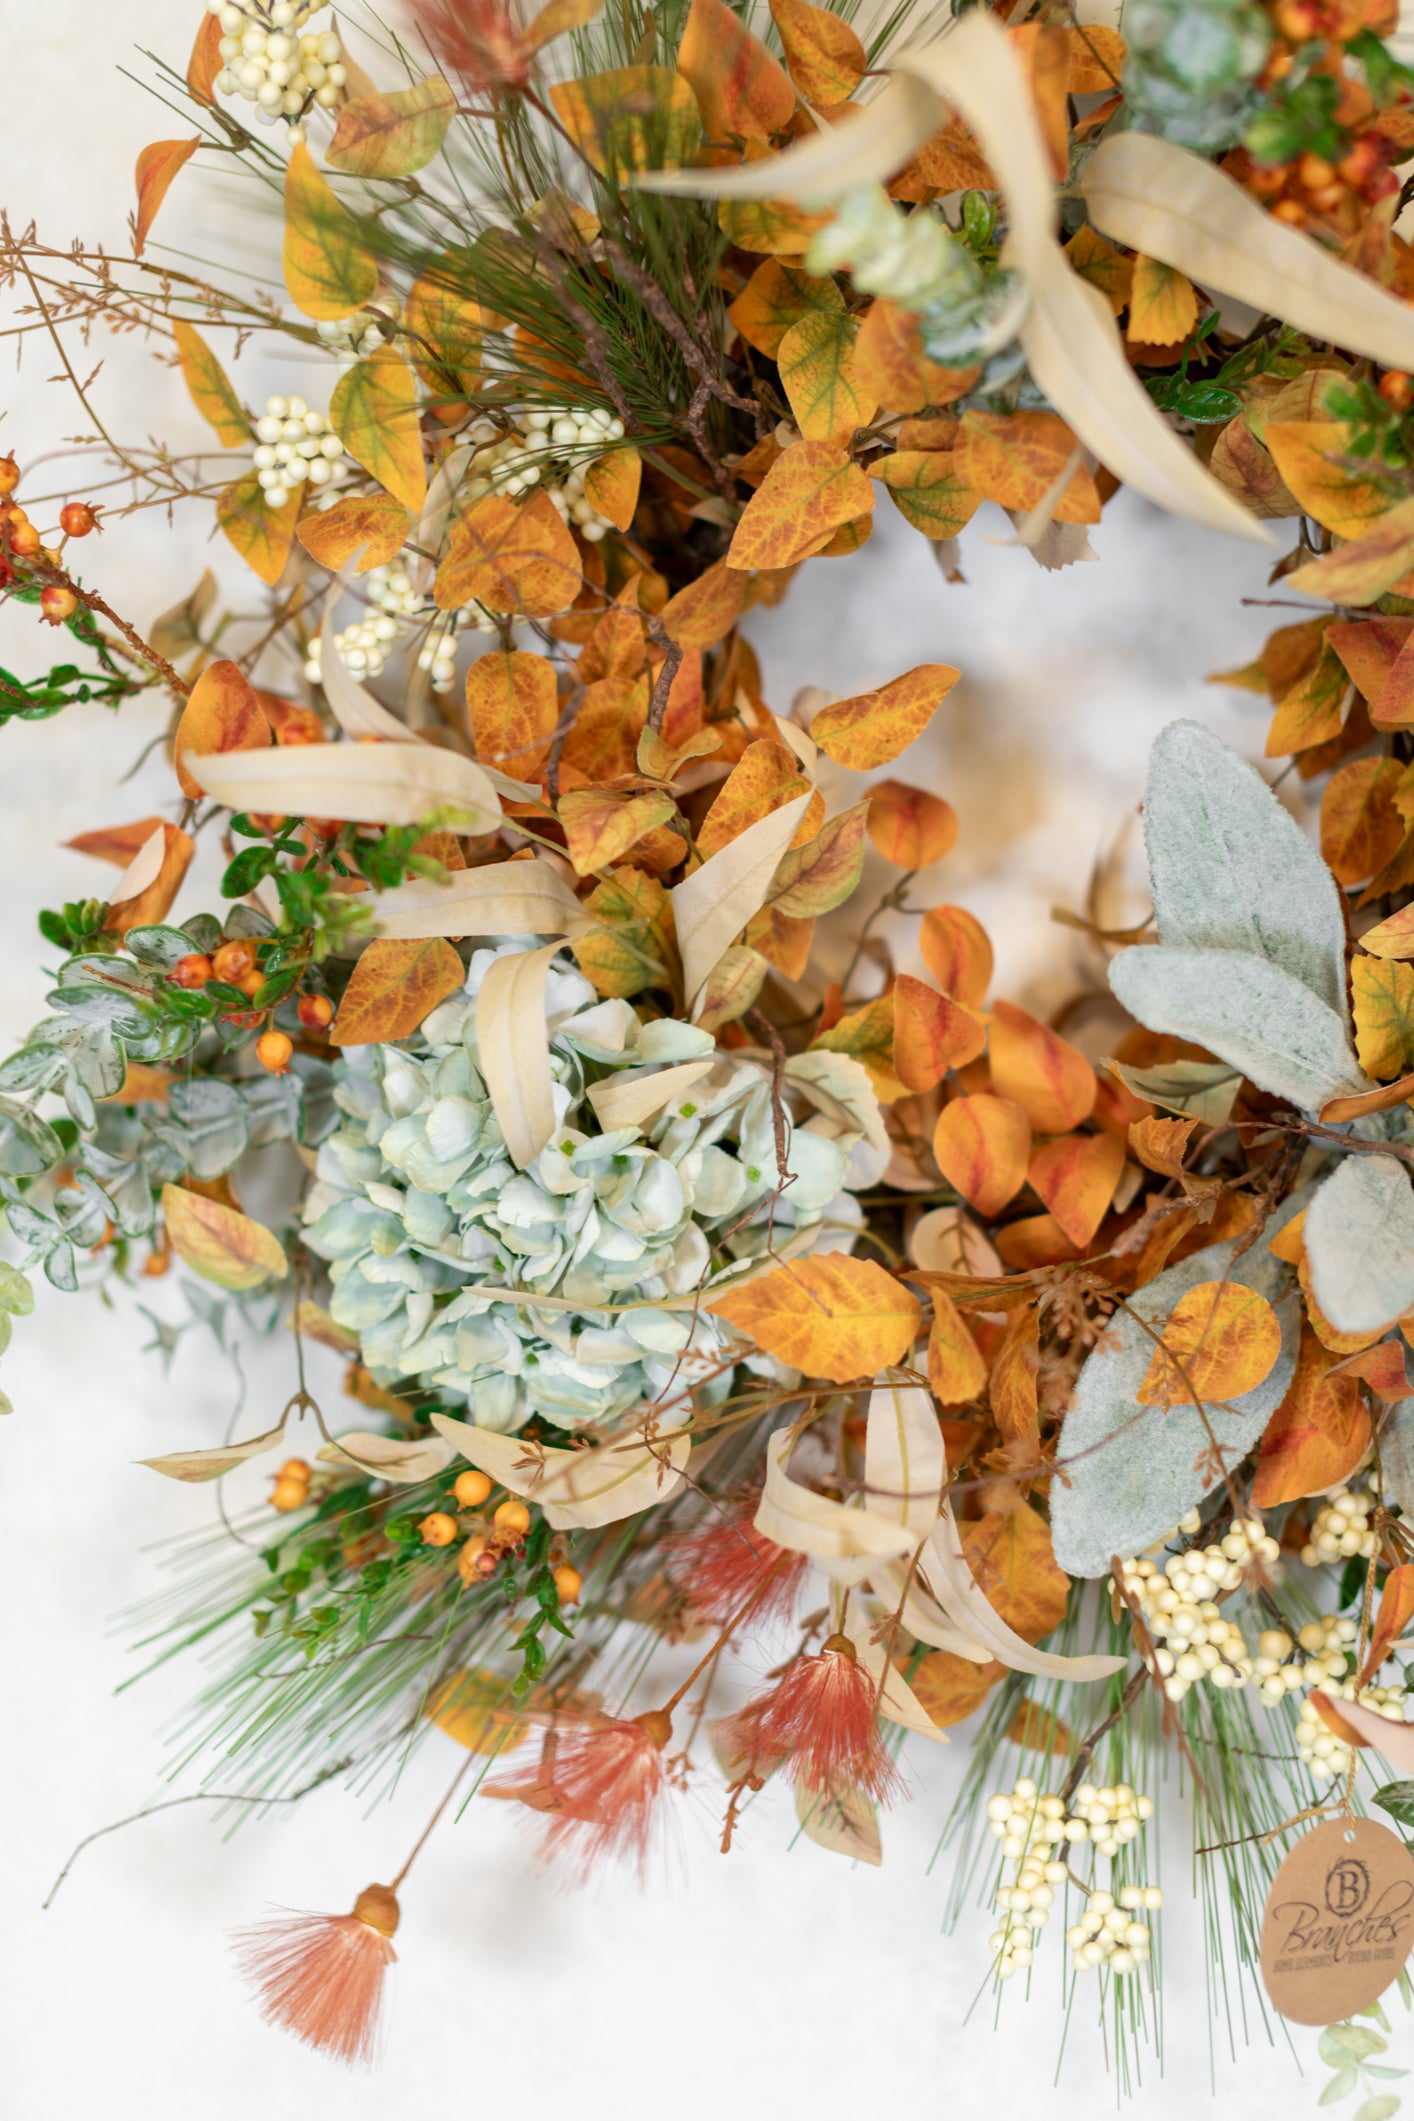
column 783, row 1981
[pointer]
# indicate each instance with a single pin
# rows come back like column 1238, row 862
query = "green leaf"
column 1379, row 2108
column 16, row 1295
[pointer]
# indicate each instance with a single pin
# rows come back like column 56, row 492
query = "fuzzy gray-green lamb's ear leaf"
column 1230, row 870
column 1132, row 1471
column 1397, row 1455
column 1359, row 1234
column 1247, row 1011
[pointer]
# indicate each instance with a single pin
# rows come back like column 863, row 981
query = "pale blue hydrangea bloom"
column 423, row 1217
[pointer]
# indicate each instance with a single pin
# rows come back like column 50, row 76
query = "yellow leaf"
column 512, row 702
column 956, row 1370
column 1311, row 710
column 630, row 118
column 867, row 1035
column 824, row 54
column 1383, row 992
column 699, row 615
column 262, row 535
column 777, row 296
column 600, row 826
column 875, row 727
column 1163, row 305
column 219, row 1243
column 1017, row 457
column 393, row 135
column 829, row 1316
column 222, row 713
column 810, row 490
column 1361, row 571
column 557, row 16
column 156, row 167
column 926, row 488
column 373, row 410
column 611, row 485
column 816, row 361
column 1102, row 265
column 211, row 390
column 329, row 269
column 373, row 521
column 478, row 1710
column 982, row 1145
column 1220, row 1341
column 510, row 558
column 740, row 89
column 1361, row 828
column 634, row 948
column 768, row 226
column 765, row 776
column 1160, row 1144
column 1315, row 460
column 393, row 987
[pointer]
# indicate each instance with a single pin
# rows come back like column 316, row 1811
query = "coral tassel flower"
column 602, row 1786
column 321, row 1977
column 818, row 1722
column 726, row 1567
column 479, row 39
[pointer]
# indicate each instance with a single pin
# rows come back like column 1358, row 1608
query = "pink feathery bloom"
column 818, row 1722
column 322, row 1977
column 478, row 39
column 601, row 1786
column 725, row 1567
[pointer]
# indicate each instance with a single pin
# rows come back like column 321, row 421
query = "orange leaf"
column 1395, row 1613
column 603, row 744
column 513, row 705
column 698, row 616
column 931, row 1034
column 1097, row 56
column 777, row 296
column 1225, row 1336
column 1391, row 938
column 1016, row 458
column 156, row 167
column 611, row 485
column 115, row 843
column 394, row 986
column 205, row 62
column 867, row 1035
column 1361, row 828
column 222, row 713
column 740, row 88
column 1318, row 1434
column 1160, row 1144
column 1076, row 1176
column 1163, row 305
column 1013, row 1386
column 374, row 521
column 1040, row 1071
column 630, row 117
column 765, row 778
column 957, row 952
column 211, row 390
column 1012, row 1558
column 600, row 826
column 950, row 1688
column 956, row 1369
column 982, row 1145
column 874, row 727
column 446, row 331
column 810, row 490
column 155, row 903
column 825, row 56
column 262, row 535
column 829, row 1315
column 510, row 558
column 1039, row 1730
column 910, row 828
column 1382, row 1369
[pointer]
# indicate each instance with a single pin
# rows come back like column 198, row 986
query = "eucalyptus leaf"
column 1202, row 1089
column 1397, row 1798
column 162, row 947
column 28, row 1146
column 1359, row 1235
column 206, row 1124
column 1231, row 870
column 1247, row 1011
column 274, row 1106
column 1383, row 2105
column 1133, row 1471
column 1350, row 2043
column 1342, row 2084
column 61, row 1268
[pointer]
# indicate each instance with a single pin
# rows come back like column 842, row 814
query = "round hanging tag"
column 1339, row 1921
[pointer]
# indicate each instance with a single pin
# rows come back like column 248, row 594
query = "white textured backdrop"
column 782, row 1982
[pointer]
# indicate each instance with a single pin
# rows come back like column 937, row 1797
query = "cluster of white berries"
column 1179, row 1603
column 362, row 333
column 1341, row 1529
column 1109, row 1933
column 548, row 447
column 395, row 607
column 1033, row 1828
column 1324, row 1657
column 275, row 65
column 294, row 446
column 1326, row 1755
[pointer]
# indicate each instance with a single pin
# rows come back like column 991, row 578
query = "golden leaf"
column 1076, row 1176
column 218, row 1242
column 699, row 615
column 763, row 778
column 392, row 135
column 1016, row 458
column 1011, row 1556
column 1037, row 1069
column 374, row 522
column 222, row 713
column 611, row 485
column 1163, row 305
column 1318, row 1434
column 982, row 1146
column 928, row 491
column 262, row 535
column 1360, row 827
column 601, row 826
column 329, row 270
column 810, row 490
column 1383, row 995
column 777, row 296
column 373, row 410
column 875, row 727
column 1220, row 1340
column 513, row 706
column 393, row 987
column 630, row 118
column 210, row 388
column 829, row 1315
column 446, row 330
column 157, row 165
column 510, row 558
column 820, row 379
column 825, row 57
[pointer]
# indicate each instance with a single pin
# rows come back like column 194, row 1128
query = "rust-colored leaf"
column 115, row 843
column 829, row 1315
column 1220, row 1341
column 157, row 165
column 373, row 521
column 513, row 707
column 153, row 905
column 1040, row 1071
column 957, row 952
column 206, row 61
column 932, row 1033
column 1160, row 1144
column 1076, row 1176
column 222, row 713
column 740, row 88
column 1318, row 1434
column 1011, row 1556
column 510, row 558
column 874, row 727
column 909, row 827
column 394, row 986
column 1382, row 1368
column 1391, row 938
column 1396, row 1610
column 982, row 1146
column 1016, row 458
column 810, row 490
column 950, row 1688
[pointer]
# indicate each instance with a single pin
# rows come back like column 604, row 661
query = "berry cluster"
column 294, row 446
column 274, row 64
column 395, row 607
column 1323, row 1661
column 1110, row 1934
column 1179, row 1604
column 1326, row 1755
column 549, row 447
column 1341, row 1529
column 486, row 1545
column 1033, row 1828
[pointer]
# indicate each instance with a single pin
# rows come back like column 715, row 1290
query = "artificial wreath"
column 705, row 1278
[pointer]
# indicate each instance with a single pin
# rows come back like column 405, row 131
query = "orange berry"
column 512, row 1519
column 1291, row 211
column 569, row 1583
column 325, row 828
column 1314, row 172
column 1360, row 164
column 77, row 519
column 157, row 1262
column 476, row 1561
column 252, row 983
column 295, row 1469
column 289, row 1495
column 55, row 602
column 471, row 1489
column 273, row 1050
column 300, row 725
column 232, row 962
column 1396, row 388
column 9, row 475
column 25, row 542
column 438, row 1529
column 316, row 1011
column 193, row 970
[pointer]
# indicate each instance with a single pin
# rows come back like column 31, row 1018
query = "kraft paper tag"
column 1339, row 1921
